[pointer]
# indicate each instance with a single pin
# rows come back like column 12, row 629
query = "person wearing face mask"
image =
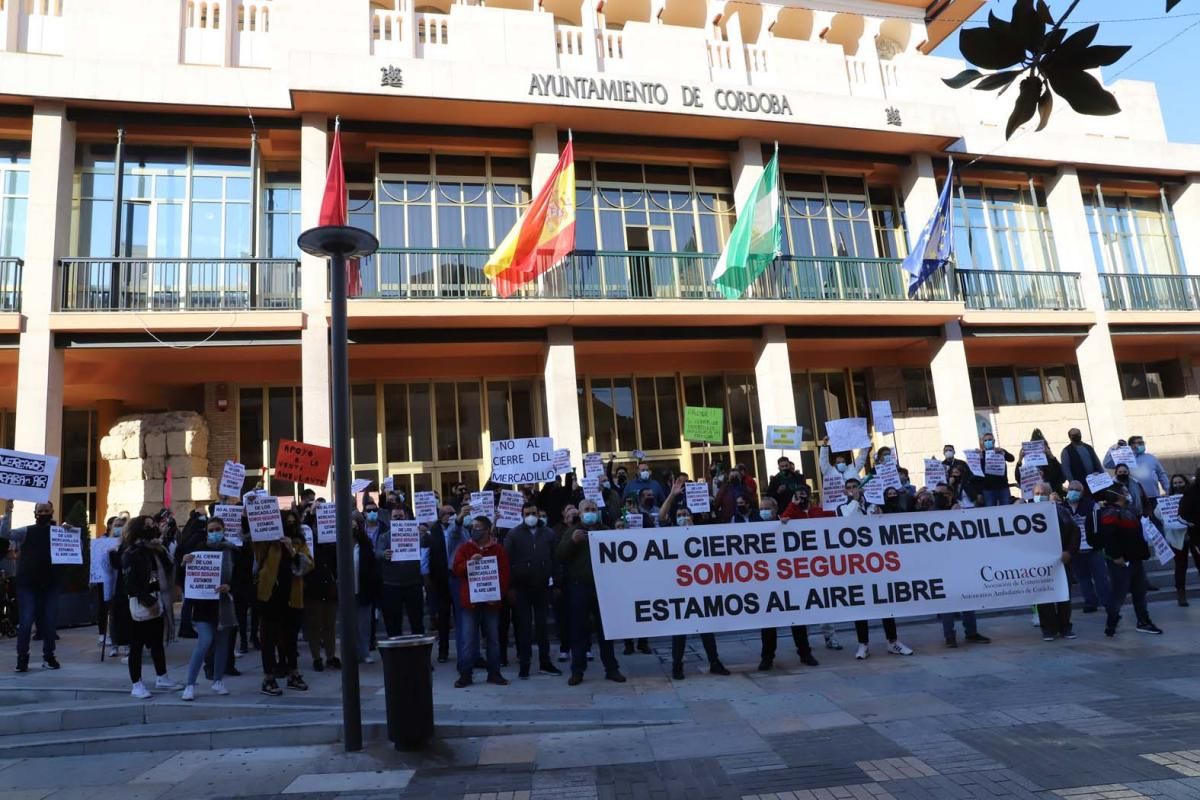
column 1055, row 618
column 1137, row 500
column 683, row 519
column 1176, row 532
column 320, row 598
column 560, row 595
column 145, row 570
column 437, row 582
column 105, row 588
column 891, row 501
column 856, row 504
column 994, row 488
column 530, row 549
column 401, row 593
column 1052, row 472
column 645, row 481
column 734, row 495
column 769, row 637
column 950, row 461
column 842, row 464
column 479, row 617
column 282, row 565
column 576, row 557
column 373, row 524
column 742, row 512
column 1078, row 460
column 214, row 620
column 39, row 582
column 1119, row 533
column 1147, row 472
column 783, row 484
column 1088, row 566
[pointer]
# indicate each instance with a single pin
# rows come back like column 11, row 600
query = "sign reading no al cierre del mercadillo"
column 767, row 574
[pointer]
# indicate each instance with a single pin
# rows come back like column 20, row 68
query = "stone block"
column 111, row 448
column 188, row 443
column 187, row 466
column 154, row 445
column 203, row 489
column 154, row 468
column 131, row 446
column 125, row 470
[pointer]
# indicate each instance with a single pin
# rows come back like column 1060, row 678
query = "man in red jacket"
column 483, row 614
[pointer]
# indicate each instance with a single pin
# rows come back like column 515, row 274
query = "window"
column 1003, row 228
column 81, row 439
column 832, row 215
column 282, row 218
column 265, row 416
column 1133, row 234
column 14, row 197
column 918, row 389
column 1144, row 381
column 1010, row 386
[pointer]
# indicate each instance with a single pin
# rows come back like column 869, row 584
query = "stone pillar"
column 543, row 153
column 773, row 379
column 1094, row 354
column 746, row 165
column 314, row 280
column 952, row 390
column 48, row 230
column 562, row 402
column 1185, row 205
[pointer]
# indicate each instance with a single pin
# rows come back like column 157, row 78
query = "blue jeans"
column 1129, row 579
column 1091, row 574
column 997, row 497
column 40, row 605
column 471, row 620
column 968, row 619
column 206, row 632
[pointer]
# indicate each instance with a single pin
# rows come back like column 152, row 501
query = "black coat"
column 439, row 565
column 136, row 575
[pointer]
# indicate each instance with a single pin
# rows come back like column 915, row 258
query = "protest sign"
column 202, row 576
column 1099, row 481
column 359, row 485
column 1030, row 477
column 483, row 504
column 593, row 466
column 638, row 455
column 784, row 437
column 881, row 415
column 523, row 460
column 231, row 518
column 808, row 572
column 406, row 540
column 833, row 491
column 389, row 484
column 302, row 463
column 703, row 424
column 327, row 523
column 696, row 497
column 483, row 580
column 935, row 473
column 263, row 515
column 974, row 459
column 1033, row 454
column 309, row 540
column 100, row 567
column 635, row 520
column 994, row 463
column 1168, row 509
column 1123, row 454
column 888, row 475
column 873, row 490
column 233, row 477
column 425, row 507
column 562, row 461
column 1157, row 542
column 591, row 490
column 26, row 476
column 847, row 434
column 508, row 513
column 66, row 545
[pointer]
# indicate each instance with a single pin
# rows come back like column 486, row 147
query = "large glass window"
column 1003, row 228
column 281, row 211
column 1010, row 386
column 1132, row 234
column 14, row 197
column 1141, row 381
column 266, row 415
column 80, row 445
column 839, row 216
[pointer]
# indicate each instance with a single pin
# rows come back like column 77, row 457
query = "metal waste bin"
column 408, row 686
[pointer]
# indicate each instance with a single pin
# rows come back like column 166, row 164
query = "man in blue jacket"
column 644, row 481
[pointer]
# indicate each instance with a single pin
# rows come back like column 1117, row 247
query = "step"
column 46, row 716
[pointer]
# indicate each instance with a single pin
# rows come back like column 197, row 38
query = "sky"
column 1171, row 65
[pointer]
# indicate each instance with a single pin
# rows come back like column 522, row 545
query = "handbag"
column 141, row 613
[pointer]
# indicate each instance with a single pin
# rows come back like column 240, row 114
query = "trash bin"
column 408, row 686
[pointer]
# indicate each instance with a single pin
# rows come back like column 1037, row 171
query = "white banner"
column 881, row 415
column 974, row 459
column 327, row 523
column 406, row 540
column 1030, row 477
column 812, row 571
column 26, row 476
column 696, row 497
column 523, row 460
column 1168, row 509
column 1099, row 481
column 66, row 545
column 593, row 466
column 888, row 475
column 203, row 576
column 994, row 463
column 425, row 507
column 359, row 485
column 591, row 490
column 833, row 491
column 562, row 461
column 309, row 540
column 483, row 580
column 263, row 515
column 233, row 477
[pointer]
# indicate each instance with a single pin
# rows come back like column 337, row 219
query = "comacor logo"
column 990, row 574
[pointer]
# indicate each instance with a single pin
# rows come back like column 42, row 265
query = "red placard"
column 302, row 463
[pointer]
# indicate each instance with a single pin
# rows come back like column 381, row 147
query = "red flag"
column 334, row 205
column 167, row 489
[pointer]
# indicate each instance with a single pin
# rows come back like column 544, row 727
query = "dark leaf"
column 1045, row 108
column 983, row 47
column 963, row 78
column 1027, row 26
column 1078, row 41
column 1101, row 55
column 1054, row 39
column 1082, row 91
column 1171, row 4
column 1044, row 14
column 1026, row 105
column 998, row 79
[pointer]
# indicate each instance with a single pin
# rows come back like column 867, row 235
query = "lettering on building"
column 612, row 90
column 391, row 76
column 753, row 102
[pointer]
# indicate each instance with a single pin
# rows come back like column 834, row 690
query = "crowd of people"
column 272, row 592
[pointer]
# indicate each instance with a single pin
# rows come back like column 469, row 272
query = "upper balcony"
column 1124, row 292
column 1014, row 290
column 32, row 26
column 232, row 33
column 10, row 284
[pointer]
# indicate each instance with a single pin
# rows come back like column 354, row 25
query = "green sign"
column 704, row 424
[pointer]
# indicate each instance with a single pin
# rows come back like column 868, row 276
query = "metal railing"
column 10, row 283
column 178, row 284
column 1150, row 292
column 434, row 273
column 1020, row 291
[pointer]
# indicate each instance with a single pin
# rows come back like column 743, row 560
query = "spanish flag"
column 543, row 236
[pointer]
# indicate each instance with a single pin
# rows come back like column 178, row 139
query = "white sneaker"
column 189, row 692
column 862, row 653
column 124, row 659
column 832, row 643
column 101, row 640
column 899, row 648
column 165, row 682
column 218, row 687
column 368, row 660
column 113, row 652
column 140, row 691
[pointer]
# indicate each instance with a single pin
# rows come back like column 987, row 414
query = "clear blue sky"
column 1173, row 67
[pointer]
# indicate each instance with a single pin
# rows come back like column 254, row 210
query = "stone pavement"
column 1019, row 718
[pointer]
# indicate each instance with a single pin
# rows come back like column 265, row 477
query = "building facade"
column 158, row 159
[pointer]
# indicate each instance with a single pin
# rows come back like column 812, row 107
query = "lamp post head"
column 331, row 240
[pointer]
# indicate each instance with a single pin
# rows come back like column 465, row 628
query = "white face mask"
column 531, row 520
column 841, row 467
column 644, row 474
column 948, row 453
column 1039, row 498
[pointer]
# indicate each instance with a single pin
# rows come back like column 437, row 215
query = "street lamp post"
column 338, row 243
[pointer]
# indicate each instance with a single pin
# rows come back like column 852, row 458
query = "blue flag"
column 935, row 246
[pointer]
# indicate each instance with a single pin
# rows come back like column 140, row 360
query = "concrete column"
column 1185, row 205
column 543, row 154
column 107, row 412
column 773, row 379
column 562, row 402
column 746, row 165
column 1094, row 354
column 48, row 231
column 919, row 188
column 952, row 390
column 314, row 278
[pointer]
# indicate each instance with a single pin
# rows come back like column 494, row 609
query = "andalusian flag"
column 543, row 235
column 756, row 237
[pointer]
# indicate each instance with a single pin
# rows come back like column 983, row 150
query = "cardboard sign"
column 881, row 415
column 704, row 424
column 327, row 523
column 1099, row 481
column 1158, row 543
column 935, row 473
column 483, row 580
column 100, row 569
column 1030, row 478
column 359, row 485
column 888, row 475
column 425, row 507
column 483, row 504
column 26, row 476
column 833, row 491
column 406, row 540
column 873, row 490
column 591, row 490
column 562, row 461
column 784, row 437
column 523, row 460
column 1123, row 455
column 302, row 463
column 389, row 483
column 66, row 545
column 1168, row 509
column 508, row 513
column 233, row 477
column 994, row 463
column 696, row 497
column 847, row 434
column 263, row 515
column 1033, row 454
column 974, row 459
column 635, row 520
column 203, row 576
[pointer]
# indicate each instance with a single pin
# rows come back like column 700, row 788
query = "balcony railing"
column 10, row 284
column 1150, row 292
column 1020, row 291
column 634, row 275
column 178, row 284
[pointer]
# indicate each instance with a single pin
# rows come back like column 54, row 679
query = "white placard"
column 1033, row 454
column 66, row 545
column 202, row 576
column 888, row 474
column 974, row 459
column 327, row 523
column 1081, row 523
column 523, row 460
column 406, row 540
column 508, row 513
column 784, row 437
column 873, row 490
column 1099, row 481
column 833, row 491
column 635, row 520
column 593, row 466
column 696, row 497
column 389, row 484
column 483, row 504
column 26, row 476
column 1030, row 478
column 1123, row 455
column 483, row 580
column 359, row 485
column 1168, row 509
column 638, row 455
column 562, row 461
column 425, row 507
column 309, row 541
column 262, row 512
column 847, row 434
column 100, row 569
column 230, row 516
column 935, row 473
column 881, row 415
column 233, row 477
column 1158, row 543
column 994, row 463
column 591, row 490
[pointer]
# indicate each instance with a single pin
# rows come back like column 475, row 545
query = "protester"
column 145, row 570
column 401, row 593
column 374, row 524
column 282, row 565
column 561, row 596
column 951, row 461
column 783, row 484
column 708, row 641
column 994, row 488
column 320, row 596
column 856, row 504
column 1079, row 459
column 437, row 582
column 530, row 549
column 1055, row 618
column 1120, row 533
column 477, row 617
column 800, row 507
column 770, row 636
column 644, row 481
column 576, row 556
column 105, row 588
column 1137, row 498
column 214, row 620
column 38, row 582
column 842, row 464
column 366, row 587
column 1088, row 567
column 1147, row 471
column 1176, row 532
column 1052, row 472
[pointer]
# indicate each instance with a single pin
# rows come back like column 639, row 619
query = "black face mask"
column 743, row 510
column 1123, row 478
column 1076, row 439
column 43, row 519
column 802, row 502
